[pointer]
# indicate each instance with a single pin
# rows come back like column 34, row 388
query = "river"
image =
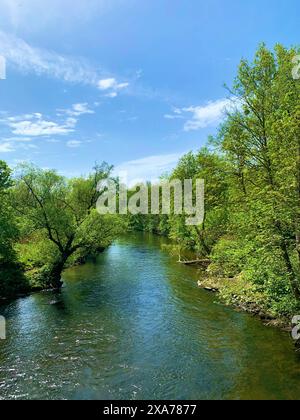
column 134, row 325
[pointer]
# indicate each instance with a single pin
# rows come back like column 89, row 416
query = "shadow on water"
column 134, row 325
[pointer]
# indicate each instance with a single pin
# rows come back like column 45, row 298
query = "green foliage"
column 48, row 222
column 8, row 231
column 228, row 257
column 261, row 142
column 58, row 221
column 12, row 280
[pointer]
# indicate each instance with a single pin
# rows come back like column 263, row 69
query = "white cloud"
column 12, row 144
column 6, row 147
column 147, row 169
column 73, row 144
column 210, row 114
column 25, row 127
column 122, row 85
column 29, row 59
column 111, row 95
column 105, row 84
column 23, row 117
column 77, row 110
column 81, row 109
column 113, row 85
column 38, row 127
column 177, row 111
column 204, row 116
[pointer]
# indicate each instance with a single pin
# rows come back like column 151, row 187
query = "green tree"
column 61, row 213
column 261, row 141
column 212, row 168
column 12, row 280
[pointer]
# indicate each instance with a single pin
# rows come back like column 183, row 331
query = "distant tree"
column 212, row 168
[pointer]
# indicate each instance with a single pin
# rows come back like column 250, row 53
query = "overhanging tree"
column 63, row 213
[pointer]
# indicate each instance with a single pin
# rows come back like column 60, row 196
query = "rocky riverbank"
column 243, row 297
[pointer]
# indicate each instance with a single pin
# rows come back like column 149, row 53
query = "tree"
column 12, row 280
column 262, row 143
column 211, row 167
column 8, row 231
column 63, row 213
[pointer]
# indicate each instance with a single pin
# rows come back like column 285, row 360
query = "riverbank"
column 235, row 291
column 34, row 280
column 242, row 296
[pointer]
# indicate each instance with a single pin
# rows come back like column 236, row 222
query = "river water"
column 134, row 325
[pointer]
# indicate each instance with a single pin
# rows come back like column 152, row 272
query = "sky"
column 136, row 83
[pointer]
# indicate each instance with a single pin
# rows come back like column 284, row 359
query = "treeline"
column 251, row 231
column 48, row 222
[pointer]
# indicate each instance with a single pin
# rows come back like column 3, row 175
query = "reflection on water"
column 134, row 325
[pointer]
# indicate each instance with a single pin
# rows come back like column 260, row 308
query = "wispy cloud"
column 207, row 115
column 6, row 147
column 73, row 144
column 18, row 139
column 29, row 59
column 13, row 144
column 148, row 168
column 173, row 117
column 210, row 114
column 18, row 14
column 176, row 114
column 77, row 110
column 111, row 95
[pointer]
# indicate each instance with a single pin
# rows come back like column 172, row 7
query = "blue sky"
column 136, row 83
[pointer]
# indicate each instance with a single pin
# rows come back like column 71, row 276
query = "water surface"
column 134, row 325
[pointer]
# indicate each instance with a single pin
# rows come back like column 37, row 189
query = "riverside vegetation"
column 250, row 237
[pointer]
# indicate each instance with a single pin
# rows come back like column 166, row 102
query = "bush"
column 228, row 258
column 12, row 280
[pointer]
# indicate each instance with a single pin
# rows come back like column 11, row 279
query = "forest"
column 250, row 236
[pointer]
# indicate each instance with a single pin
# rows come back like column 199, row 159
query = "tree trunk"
column 201, row 236
column 54, row 278
column 290, row 270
